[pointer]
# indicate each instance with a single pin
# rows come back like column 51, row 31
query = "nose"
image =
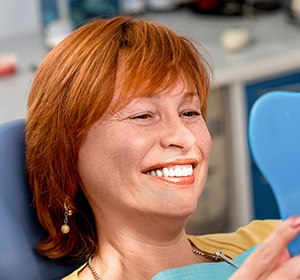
column 175, row 134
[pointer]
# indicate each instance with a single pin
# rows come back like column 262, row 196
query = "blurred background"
column 254, row 47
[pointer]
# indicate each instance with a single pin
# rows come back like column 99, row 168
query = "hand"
column 272, row 260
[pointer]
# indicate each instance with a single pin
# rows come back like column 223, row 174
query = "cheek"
column 118, row 152
column 207, row 144
column 203, row 139
column 128, row 154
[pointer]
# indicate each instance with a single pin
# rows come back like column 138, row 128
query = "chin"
column 182, row 209
column 172, row 202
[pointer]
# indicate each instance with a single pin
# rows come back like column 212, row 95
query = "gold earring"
column 65, row 227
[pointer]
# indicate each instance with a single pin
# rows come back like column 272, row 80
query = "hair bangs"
column 153, row 58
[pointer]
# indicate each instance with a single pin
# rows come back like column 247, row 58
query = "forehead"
column 180, row 87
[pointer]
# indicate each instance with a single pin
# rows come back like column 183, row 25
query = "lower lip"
column 178, row 181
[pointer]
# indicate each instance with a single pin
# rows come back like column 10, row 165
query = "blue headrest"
column 20, row 229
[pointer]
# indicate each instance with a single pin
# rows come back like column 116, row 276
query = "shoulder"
column 235, row 243
column 74, row 274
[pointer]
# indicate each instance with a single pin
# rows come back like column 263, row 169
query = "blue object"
column 204, row 271
column 20, row 229
column 274, row 136
column 264, row 202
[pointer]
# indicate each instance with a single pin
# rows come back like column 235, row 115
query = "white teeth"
column 178, row 172
column 165, row 172
column 171, row 172
column 184, row 171
column 159, row 173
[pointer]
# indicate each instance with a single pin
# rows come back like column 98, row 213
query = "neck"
column 140, row 248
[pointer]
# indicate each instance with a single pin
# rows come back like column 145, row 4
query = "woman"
column 117, row 157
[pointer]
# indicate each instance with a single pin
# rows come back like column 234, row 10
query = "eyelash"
column 141, row 117
column 191, row 114
column 188, row 114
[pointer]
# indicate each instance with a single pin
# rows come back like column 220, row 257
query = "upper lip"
column 169, row 164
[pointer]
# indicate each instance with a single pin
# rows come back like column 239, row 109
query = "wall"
column 18, row 17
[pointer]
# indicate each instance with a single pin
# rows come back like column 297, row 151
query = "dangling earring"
column 65, row 227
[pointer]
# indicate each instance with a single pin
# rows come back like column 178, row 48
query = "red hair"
column 72, row 89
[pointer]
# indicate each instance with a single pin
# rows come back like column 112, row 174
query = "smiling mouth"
column 178, row 171
column 176, row 175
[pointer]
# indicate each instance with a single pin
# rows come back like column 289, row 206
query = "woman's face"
column 150, row 157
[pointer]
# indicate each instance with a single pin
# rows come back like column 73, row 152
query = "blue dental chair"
column 19, row 226
column 274, row 137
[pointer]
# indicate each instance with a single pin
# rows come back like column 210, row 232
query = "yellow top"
column 231, row 244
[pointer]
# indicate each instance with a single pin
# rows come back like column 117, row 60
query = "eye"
column 144, row 118
column 191, row 114
column 141, row 117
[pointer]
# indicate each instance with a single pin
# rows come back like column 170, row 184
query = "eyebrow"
column 189, row 95
column 186, row 95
